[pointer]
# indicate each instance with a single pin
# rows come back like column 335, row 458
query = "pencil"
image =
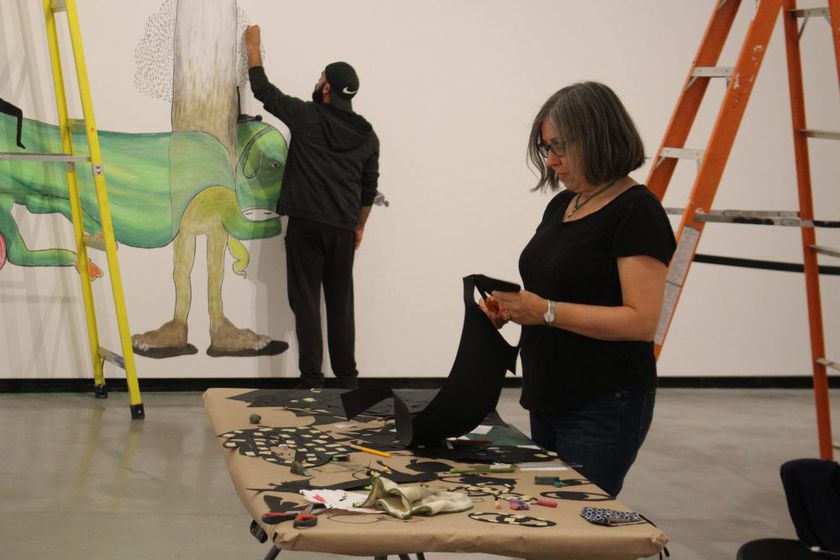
column 369, row 450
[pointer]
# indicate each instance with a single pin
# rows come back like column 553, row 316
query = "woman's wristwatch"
column 549, row 314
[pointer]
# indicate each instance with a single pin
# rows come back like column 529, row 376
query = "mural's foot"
column 167, row 352
column 166, row 342
column 273, row 348
column 228, row 340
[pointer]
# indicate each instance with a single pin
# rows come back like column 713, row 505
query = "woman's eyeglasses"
column 556, row 148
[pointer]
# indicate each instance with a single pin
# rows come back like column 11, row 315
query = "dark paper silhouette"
column 12, row 111
column 474, row 384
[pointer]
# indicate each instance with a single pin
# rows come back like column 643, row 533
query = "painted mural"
column 216, row 174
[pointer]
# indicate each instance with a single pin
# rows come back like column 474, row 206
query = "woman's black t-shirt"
column 575, row 262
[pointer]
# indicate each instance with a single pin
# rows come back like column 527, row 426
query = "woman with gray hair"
column 594, row 279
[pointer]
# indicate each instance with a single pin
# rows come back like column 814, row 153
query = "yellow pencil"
column 369, row 450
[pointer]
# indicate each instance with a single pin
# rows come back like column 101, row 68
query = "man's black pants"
column 318, row 254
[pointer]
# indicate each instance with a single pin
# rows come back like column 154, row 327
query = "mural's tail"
column 238, row 251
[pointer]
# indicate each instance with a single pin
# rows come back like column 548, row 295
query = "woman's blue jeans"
column 600, row 438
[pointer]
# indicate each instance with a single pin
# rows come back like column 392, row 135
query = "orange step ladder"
column 712, row 161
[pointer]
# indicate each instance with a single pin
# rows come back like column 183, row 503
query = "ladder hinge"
column 58, row 5
column 98, row 169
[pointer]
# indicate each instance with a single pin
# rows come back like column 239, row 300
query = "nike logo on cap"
column 348, row 91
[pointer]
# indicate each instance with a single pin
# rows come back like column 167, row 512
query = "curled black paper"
column 474, row 384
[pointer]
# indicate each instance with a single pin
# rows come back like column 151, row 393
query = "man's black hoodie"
column 333, row 164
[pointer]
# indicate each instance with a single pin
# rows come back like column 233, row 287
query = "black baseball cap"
column 344, row 84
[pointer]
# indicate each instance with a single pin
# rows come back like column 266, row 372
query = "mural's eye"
column 275, row 164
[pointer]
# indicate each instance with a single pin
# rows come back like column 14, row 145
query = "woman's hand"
column 491, row 308
column 522, row 307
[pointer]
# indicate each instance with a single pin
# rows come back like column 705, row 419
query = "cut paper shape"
column 474, row 384
column 12, row 111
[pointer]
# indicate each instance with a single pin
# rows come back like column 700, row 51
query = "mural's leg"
column 225, row 338
column 16, row 250
column 171, row 338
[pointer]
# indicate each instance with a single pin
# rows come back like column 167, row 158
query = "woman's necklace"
column 578, row 203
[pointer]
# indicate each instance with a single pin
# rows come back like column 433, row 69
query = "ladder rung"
column 825, row 250
column 77, row 125
column 809, row 12
column 681, row 153
column 826, row 134
column 93, row 242
column 828, row 363
column 111, row 357
column 712, row 71
column 757, row 217
column 58, row 5
column 59, row 158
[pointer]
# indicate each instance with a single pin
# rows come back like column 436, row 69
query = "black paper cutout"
column 470, row 392
column 295, row 486
column 279, row 505
column 578, row 496
column 512, row 519
column 485, row 285
column 329, row 402
column 317, row 447
column 12, row 111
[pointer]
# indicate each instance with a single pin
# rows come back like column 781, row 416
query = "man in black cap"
column 329, row 185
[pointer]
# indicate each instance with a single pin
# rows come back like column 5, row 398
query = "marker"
column 368, row 450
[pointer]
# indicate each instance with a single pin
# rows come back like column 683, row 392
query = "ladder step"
column 712, row 71
column 111, row 357
column 57, row 158
column 810, row 12
column 825, row 250
column 93, row 242
column 825, row 134
column 758, row 217
column 77, row 125
column 679, row 153
column 58, row 5
column 828, row 363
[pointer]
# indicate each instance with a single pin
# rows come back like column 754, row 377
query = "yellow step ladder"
column 83, row 240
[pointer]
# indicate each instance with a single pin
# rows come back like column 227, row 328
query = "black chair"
column 812, row 489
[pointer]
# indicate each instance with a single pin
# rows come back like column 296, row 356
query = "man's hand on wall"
column 252, row 41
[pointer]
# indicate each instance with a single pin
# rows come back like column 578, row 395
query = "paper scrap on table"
column 337, row 499
column 482, row 430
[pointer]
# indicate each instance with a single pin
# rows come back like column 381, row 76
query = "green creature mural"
column 151, row 209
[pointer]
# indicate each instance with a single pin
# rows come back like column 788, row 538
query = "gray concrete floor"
column 80, row 480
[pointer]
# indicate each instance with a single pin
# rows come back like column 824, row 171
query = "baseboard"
column 203, row 383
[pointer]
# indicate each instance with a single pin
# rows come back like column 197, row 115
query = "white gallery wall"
column 451, row 87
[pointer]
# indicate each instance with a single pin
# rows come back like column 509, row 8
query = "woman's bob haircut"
column 592, row 123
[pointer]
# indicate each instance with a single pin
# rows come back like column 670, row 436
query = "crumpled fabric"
column 404, row 501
